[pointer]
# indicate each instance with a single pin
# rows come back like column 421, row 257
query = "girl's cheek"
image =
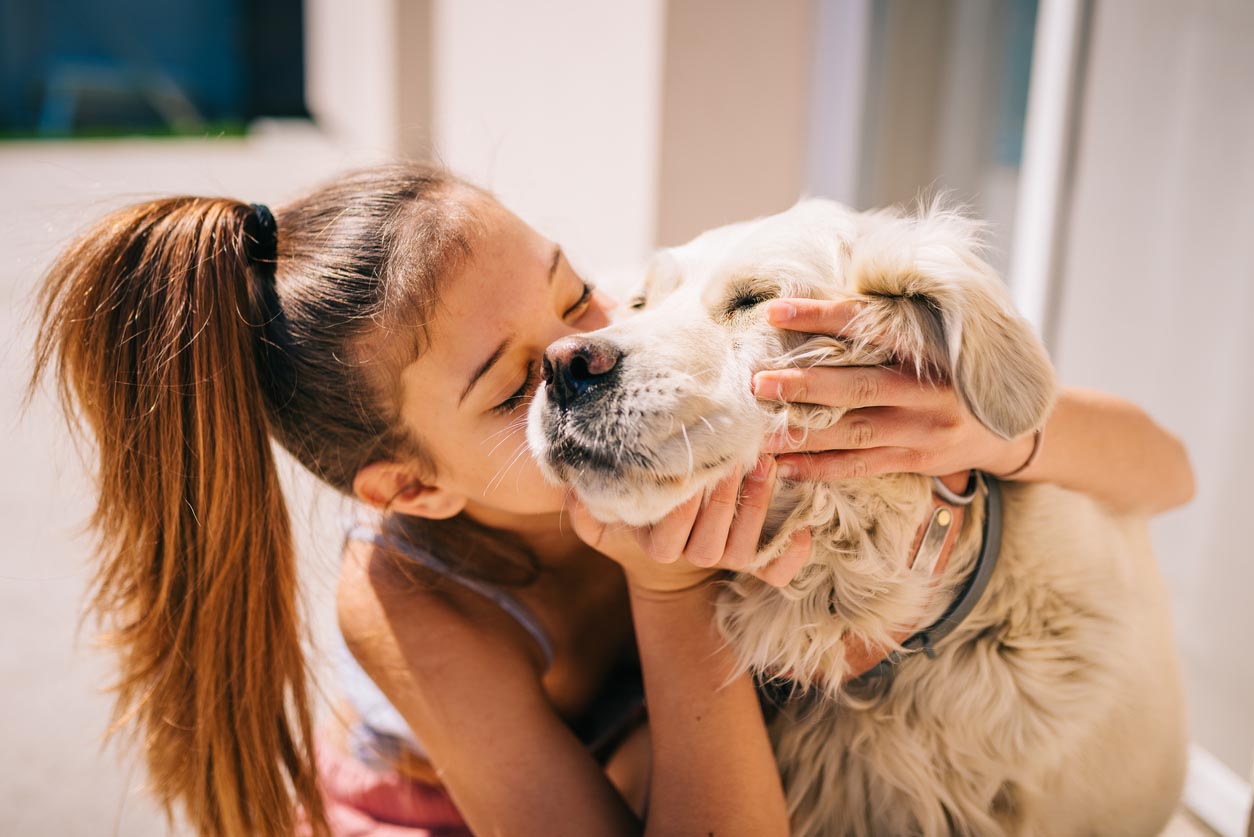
column 600, row 317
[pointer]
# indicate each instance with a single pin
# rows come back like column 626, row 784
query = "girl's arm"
column 713, row 768
column 714, row 771
column 467, row 680
column 1110, row 449
column 1101, row 445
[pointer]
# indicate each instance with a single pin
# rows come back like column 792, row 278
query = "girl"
column 386, row 330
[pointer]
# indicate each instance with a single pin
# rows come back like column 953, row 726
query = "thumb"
column 590, row 530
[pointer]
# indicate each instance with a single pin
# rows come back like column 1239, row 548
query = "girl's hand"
column 895, row 423
column 699, row 538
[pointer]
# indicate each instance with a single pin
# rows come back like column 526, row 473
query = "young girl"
column 386, row 329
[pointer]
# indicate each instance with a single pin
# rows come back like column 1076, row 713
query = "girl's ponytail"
column 153, row 322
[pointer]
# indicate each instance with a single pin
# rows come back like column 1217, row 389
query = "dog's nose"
column 573, row 364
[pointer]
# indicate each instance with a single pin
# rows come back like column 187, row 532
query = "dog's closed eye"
column 746, row 298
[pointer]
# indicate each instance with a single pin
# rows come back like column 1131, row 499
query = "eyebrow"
column 557, row 257
column 484, row 367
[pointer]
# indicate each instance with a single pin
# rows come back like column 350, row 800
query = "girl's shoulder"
column 391, row 610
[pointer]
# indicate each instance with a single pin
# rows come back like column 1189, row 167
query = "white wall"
column 554, row 106
column 1158, row 306
column 351, row 85
column 734, row 112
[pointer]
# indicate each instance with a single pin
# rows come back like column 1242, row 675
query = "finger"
column 709, row 532
column 664, row 541
column 746, row 529
column 781, row 571
column 813, row 315
column 851, row 387
column 832, row 466
column 590, row 530
column 869, row 427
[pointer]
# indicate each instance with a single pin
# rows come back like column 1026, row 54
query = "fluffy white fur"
column 1055, row 708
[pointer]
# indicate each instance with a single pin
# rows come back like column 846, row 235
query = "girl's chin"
column 545, row 499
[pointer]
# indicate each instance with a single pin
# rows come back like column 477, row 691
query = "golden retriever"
column 1055, row 706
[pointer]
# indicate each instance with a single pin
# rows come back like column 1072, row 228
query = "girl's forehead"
column 485, row 304
column 502, row 236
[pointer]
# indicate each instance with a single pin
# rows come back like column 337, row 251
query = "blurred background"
column 1109, row 142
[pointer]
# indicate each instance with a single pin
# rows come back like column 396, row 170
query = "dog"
column 1054, row 705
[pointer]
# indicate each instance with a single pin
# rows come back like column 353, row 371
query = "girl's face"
column 466, row 396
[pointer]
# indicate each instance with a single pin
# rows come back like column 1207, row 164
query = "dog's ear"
column 932, row 301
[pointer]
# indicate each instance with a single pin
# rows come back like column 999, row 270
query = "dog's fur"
column 1055, row 708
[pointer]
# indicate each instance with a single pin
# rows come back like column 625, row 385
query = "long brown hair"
column 182, row 357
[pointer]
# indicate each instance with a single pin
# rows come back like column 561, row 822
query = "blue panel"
column 1012, row 114
column 86, row 65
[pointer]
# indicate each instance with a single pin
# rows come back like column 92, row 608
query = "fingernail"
column 769, row 387
column 787, row 471
column 780, row 312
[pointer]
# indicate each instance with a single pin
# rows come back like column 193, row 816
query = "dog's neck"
column 859, row 589
column 933, row 545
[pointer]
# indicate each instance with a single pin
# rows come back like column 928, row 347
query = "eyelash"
column 529, row 384
column 584, row 299
column 745, row 300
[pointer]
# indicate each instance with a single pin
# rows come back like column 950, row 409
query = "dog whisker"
column 518, row 422
column 501, row 442
column 499, row 476
column 692, row 467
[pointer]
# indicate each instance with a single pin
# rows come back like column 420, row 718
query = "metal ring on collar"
column 967, row 495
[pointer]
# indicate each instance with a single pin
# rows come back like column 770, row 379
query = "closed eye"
column 582, row 302
column 745, row 299
column 520, row 395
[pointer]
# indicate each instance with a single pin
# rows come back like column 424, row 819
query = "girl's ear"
column 393, row 486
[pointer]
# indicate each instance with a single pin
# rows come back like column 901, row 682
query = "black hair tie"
column 261, row 237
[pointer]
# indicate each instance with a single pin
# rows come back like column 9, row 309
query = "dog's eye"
column 745, row 300
column 637, row 303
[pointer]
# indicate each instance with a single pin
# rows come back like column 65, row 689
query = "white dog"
column 1053, row 706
